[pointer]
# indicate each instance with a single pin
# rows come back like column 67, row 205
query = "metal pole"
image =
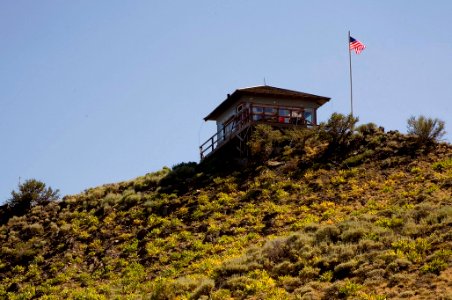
column 351, row 78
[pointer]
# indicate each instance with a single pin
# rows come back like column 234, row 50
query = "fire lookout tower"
column 244, row 108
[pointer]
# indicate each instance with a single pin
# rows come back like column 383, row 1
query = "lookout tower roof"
column 267, row 92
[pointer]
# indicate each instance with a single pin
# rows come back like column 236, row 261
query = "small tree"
column 427, row 130
column 338, row 133
column 338, row 129
column 30, row 193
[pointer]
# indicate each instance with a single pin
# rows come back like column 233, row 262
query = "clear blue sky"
column 94, row 92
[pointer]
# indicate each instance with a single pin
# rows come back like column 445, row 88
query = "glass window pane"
column 257, row 109
column 308, row 116
column 270, row 110
column 283, row 112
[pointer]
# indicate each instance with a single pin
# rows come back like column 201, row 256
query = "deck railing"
column 274, row 115
column 229, row 130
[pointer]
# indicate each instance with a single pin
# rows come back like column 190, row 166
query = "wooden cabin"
column 246, row 107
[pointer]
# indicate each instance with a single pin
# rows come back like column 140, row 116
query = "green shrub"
column 339, row 128
column 298, row 139
column 349, row 288
column 442, row 165
column 328, row 233
column 309, row 272
column 160, row 289
column 344, row 269
column 150, row 181
column 398, row 265
column 359, row 158
column 435, row 266
column 263, row 141
column 275, row 249
column 427, row 130
column 437, row 262
column 353, row 234
column 389, row 222
column 204, row 288
column 35, row 228
column 369, row 129
column 326, row 276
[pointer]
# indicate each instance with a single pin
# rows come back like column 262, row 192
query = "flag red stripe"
column 357, row 46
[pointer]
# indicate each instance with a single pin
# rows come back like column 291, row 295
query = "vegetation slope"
column 331, row 213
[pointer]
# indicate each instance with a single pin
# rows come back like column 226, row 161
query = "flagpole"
column 351, row 77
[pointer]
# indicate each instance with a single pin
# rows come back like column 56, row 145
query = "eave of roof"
column 264, row 90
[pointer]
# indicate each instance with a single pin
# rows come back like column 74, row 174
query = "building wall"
column 226, row 115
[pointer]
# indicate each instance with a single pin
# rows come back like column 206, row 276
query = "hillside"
column 322, row 214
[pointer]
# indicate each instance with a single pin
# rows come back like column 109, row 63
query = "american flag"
column 356, row 45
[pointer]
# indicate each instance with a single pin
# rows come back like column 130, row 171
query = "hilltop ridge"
column 332, row 213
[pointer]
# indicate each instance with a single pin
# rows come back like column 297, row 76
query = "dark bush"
column 30, row 193
column 338, row 132
column 344, row 269
column 179, row 179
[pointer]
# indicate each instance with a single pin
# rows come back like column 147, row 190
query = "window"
column 284, row 112
column 284, row 115
column 257, row 113
column 308, row 116
column 229, row 128
column 270, row 110
column 258, row 109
